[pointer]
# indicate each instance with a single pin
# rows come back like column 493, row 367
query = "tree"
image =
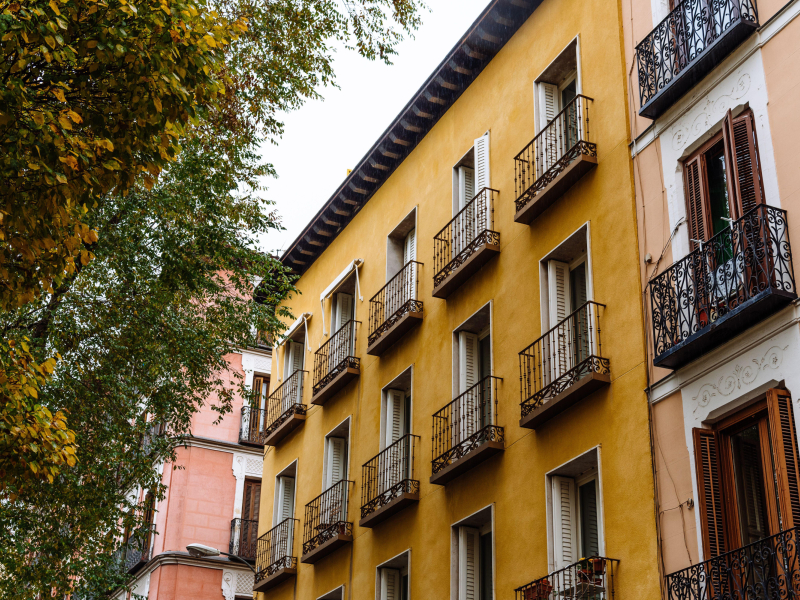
column 142, row 326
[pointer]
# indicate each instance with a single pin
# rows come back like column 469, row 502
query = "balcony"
column 589, row 578
column 765, row 569
column 740, row 276
column 465, row 432
column 465, row 244
column 136, row 552
column 244, row 538
column 388, row 482
column 562, row 367
column 251, row 429
column 274, row 560
column 693, row 39
column 326, row 527
column 334, row 363
column 554, row 161
column 394, row 310
column 285, row 409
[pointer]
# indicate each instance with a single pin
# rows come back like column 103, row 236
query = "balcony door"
column 470, row 175
column 568, row 344
column 747, row 470
column 294, row 361
column 248, row 533
column 395, row 466
column 284, row 511
column 473, row 410
column 256, row 422
column 342, row 345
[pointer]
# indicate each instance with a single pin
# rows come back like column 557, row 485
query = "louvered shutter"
column 565, row 528
column 285, row 499
column 558, row 282
column 298, row 356
column 466, row 186
column 395, row 416
column 464, row 225
column 482, row 180
column 252, row 499
column 410, row 247
column 746, row 174
column 258, row 389
column 709, row 490
column 409, row 254
column 468, row 359
column 344, row 310
column 390, row 584
column 468, row 564
column 590, row 529
column 465, row 412
column 785, row 455
column 336, row 458
column 548, row 104
column 699, row 227
column 547, row 151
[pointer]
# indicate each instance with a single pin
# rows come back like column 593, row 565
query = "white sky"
column 325, row 138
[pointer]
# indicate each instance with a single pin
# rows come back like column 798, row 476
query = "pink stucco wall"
column 203, row 423
column 184, row 582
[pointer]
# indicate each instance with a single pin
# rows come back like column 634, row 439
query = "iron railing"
column 136, row 550
column 397, row 298
column 749, row 258
column 466, row 423
column 388, row 475
column 274, row 550
column 559, row 143
column 252, row 427
column 326, row 516
column 561, row 357
column 587, row 579
column 336, row 355
column 762, row 570
column 284, row 402
column 683, row 36
column 470, row 229
column 244, row 537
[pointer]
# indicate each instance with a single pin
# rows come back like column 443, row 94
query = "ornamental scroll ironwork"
column 751, row 257
column 561, row 357
column 326, row 516
column 588, row 579
column 274, row 550
column 389, row 475
column 763, row 570
column 682, row 37
column 395, row 300
column 557, row 145
column 466, row 423
column 336, row 355
column 470, row 229
column 285, row 402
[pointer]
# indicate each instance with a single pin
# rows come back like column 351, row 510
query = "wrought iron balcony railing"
column 562, row 145
column 686, row 45
column 136, row 551
column 251, row 430
column 274, row 550
column 398, row 298
column 326, row 516
column 466, row 423
column 587, row 579
column 285, row 402
column 469, row 233
column 336, row 355
column 561, row 358
column 760, row 571
column 729, row 282
column 389, row 475
column 244, row 536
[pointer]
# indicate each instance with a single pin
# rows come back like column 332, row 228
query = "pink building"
column 212, row 500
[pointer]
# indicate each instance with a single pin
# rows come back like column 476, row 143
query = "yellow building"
column 459, row 409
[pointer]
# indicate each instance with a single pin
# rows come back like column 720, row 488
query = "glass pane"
column 749, row 480
column 486, row 567
column 590, row 539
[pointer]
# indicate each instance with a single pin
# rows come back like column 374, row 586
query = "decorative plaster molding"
column 742, row 376
column 244, row 466
column 229, row 580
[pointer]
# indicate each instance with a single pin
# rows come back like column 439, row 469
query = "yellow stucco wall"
column 614, row 418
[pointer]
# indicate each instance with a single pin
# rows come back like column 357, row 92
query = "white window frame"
column 348, row 453
column 576, row 76
column 291, row 467
column 454, row 549
column 395, row 384
column 482, row 333
column 387, row 564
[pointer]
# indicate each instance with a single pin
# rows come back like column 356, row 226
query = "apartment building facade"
column 212, row 498
column 713, row 96
column 458, row 410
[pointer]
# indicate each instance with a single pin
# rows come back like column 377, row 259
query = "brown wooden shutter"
column 258, row 386
column 746, row 164
column 710, row 493
column 695, row 200
column 785, row 455
column 252, row 499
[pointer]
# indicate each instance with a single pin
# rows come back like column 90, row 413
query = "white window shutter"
column 548, row 104
column 482, row 175
column 565, row 523
column 336, row 458
column 395, row 416
column 468, row 563
column 409, row 254
column 467, row 359
column 410, row 247
column 559, row 292
column 344, row 310
column 285, row 498
column 390, row 584
column 466, row 186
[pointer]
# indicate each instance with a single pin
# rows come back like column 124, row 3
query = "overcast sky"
column 325, row 138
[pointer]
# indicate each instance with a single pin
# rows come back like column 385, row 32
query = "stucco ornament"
column 229, row 584
column 711, row 111
column 742, row 376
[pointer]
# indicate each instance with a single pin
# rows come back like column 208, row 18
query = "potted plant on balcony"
column 591, row 570
column 540, row 590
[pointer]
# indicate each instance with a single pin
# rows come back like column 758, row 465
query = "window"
column 574, row 513
column 284, row 498
column 251, row 499
column 336, row 455
column 392, row 578
column 401, row 249
column 472, row 368
column 337, row 594
column 293, row 358
column 747, row 475
column 473, row 547
column 261, row 389
column 471, row 175
column 723, row 179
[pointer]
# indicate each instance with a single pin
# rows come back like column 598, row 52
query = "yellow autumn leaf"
column 59, row 93
column 157, row 103
column 38, row 118
column 54, row 6
column 64, row 121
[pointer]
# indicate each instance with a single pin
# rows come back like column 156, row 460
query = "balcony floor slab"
column 472, row 265
column 275, row 579
column 337, row 383
column 486, row 450
column 591, row 382
column 394, row 506
column 285, row 428
column 326, row 548
column 405, row 324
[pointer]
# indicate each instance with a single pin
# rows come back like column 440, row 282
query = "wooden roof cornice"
column 462, row 65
